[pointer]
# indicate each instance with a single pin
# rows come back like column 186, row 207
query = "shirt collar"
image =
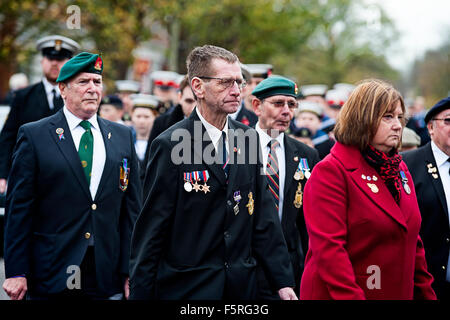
column 213, row 132
column 440, row 157
column 49, row 87
column 73, row 121
column 265, row 138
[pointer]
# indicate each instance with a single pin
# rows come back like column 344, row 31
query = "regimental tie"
column 225, row 160
column 273, row 178
column 57, row 101
column 86, row 149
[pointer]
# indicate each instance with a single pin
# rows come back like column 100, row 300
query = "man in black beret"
column 430, row 168
column 37, row 101
column 288, row 164
column 74, row 193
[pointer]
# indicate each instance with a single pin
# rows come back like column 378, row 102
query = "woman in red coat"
column 361, row 209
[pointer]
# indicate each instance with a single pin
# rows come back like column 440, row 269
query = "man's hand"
column 15, row 288
column 287, row 294
column 127, row 288
column 2, row 185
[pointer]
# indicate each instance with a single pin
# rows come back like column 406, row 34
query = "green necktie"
column 86, row 149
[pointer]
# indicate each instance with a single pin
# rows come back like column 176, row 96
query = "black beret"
column 438, row 107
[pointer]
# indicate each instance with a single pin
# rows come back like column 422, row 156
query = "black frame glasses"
column 446, row 120
column 227, row 82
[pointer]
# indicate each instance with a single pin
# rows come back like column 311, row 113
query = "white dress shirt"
column 443, row 167
column 99, row 154
column 49, row 92
column 264, row 140
column 214, row 133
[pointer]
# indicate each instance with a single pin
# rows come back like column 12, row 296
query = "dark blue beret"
column 437, row 108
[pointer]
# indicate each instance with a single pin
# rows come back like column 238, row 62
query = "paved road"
column 3, row 295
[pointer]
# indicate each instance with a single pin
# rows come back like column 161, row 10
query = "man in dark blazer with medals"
column 37, row 101
column 74, row 193
column 288, row 164
column 208, row 220
column 430, row 169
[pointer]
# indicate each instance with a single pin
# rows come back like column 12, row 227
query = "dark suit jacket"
column 292, row 220
column 29, row 104
column 161, row 123
column 247, row 117
column 435, row 231
column 49, row 207
column 192, row 245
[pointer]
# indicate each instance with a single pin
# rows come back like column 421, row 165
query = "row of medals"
column 374, row 188
column 298, row 176
column 432, row 170
column 188, row 186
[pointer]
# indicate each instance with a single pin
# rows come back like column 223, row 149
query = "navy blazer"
column 49, row 208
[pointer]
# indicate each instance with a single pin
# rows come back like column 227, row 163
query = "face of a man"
column 82, row 94
column 440, row 131
column 51, row 68
column 308, row 120
column 187, row 101
column 275, row 113
column 142, row 119
column 221, row 96
column 389, row 132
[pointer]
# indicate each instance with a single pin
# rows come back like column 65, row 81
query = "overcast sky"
column 423, row 25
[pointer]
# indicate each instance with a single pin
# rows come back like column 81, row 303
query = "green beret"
column 275, row 85
column 83, row 62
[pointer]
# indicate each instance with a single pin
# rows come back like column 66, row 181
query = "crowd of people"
column 229, row 182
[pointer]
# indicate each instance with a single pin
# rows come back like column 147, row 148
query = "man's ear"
column 198, row 87
column 257, row 105
column 63, row 89
column 430, row 127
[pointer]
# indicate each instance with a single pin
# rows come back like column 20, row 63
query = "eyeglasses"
column 227, row 82
column 280, row 103
column 446, row 120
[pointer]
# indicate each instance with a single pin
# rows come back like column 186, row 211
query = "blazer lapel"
column 353, row 161
column 67, row 147
column 291, row 165
column 437, row 183
column 108, row 141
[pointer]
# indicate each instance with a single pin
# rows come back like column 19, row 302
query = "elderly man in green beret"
column 73, row 197
column 288, row 164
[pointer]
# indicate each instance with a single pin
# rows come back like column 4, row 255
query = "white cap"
column 347, row 87
column 165, row 78
column 336, row 97
column 314, row 90
column 57, row 43
column 262, row 70
column 145, row 100
column 127, row 86
column 310, row 106
column 410, row 138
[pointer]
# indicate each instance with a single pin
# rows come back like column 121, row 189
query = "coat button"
column 226, row 234
column 229, row 203
column 94, row 206
column 447, row 240
column 227, row 265
column 87, row 235
column 443, row 268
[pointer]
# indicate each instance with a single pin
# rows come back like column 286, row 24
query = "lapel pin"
column 109, row 135
column 295, row 158
column 373, row 187
column 60, row 133
column 435, row 175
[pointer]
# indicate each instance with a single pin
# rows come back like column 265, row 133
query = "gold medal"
column 298, row 199
column 197, row 187
column 205, row 188
column 373, row 187
column 299, row 175
column 435, row 175
column 251, row 204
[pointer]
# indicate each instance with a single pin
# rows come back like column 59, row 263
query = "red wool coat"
column 362, row 245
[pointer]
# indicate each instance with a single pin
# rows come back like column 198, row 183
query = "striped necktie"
column 86, row 149
column 273, row 178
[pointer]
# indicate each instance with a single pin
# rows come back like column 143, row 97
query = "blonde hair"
column 361, row 115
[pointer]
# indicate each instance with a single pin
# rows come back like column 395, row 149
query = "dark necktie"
column 273, row 178
column 57, row 101
column 86, row 149
column 225, row 166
